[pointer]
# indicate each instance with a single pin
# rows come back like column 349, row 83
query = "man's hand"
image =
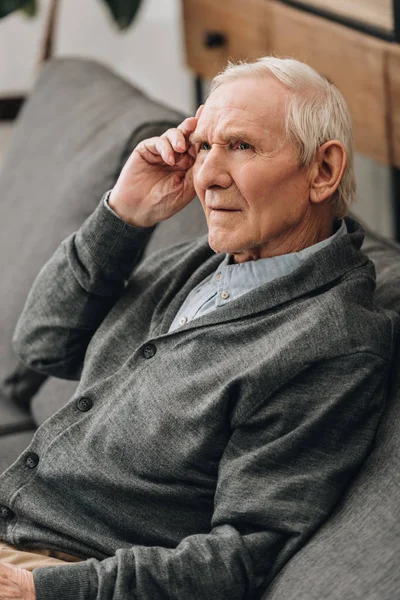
column 156, row 181
column 16, row 584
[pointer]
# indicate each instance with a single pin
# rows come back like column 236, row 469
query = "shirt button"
column 32, row 460
column 6, row 513
column 183, row 321
column 218, row 276
column 84, row 404
column 149, row 351
column 224, row 295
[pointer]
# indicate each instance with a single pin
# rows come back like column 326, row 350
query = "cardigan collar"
column 323, row 268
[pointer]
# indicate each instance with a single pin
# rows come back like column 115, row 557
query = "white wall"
column 149, row 54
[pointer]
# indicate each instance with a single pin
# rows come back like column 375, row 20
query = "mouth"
column 220, row 209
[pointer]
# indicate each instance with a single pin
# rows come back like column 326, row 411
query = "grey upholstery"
column 74, row 135
column 356, row 553
column 12, row 445
column 13, row 417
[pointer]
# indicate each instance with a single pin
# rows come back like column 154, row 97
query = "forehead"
column 254, row 104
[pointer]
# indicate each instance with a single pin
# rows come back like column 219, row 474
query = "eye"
column 204, row 146
column 242, row 146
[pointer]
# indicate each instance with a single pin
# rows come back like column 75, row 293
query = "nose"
column 212, row 170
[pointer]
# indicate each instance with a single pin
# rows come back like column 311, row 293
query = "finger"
column 157, row 147
column 184, row 162
column 166, row 151
column 176, row 139
column 148, row 145
column 188, row 126
column 199, row 111
column 151, row 157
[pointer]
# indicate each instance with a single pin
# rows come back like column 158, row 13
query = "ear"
column 327, row 170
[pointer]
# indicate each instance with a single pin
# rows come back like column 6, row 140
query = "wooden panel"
column 378, row 13
column 239, row 21
column 355, row 62
column 394, row 103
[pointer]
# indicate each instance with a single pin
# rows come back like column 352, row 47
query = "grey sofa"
column 71, row 140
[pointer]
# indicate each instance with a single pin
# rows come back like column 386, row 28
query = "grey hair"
column 316, row 113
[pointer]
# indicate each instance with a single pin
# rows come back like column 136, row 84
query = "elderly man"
column 229, row 387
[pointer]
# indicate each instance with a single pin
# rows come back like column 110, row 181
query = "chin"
column 215, row 243
column 221, row 244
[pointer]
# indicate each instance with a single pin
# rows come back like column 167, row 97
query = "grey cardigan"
column 192, row 464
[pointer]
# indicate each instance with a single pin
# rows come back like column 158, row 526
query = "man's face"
column 247, row 175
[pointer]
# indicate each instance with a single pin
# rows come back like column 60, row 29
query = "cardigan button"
column 32, row 460
column 6, row 513
column 149, row 351
column 84, row 404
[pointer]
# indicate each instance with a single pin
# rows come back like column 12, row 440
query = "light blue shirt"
column 230, row 281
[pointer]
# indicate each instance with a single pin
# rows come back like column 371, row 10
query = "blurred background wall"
column 151, row 55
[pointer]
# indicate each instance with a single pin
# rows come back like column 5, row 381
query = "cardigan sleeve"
column 75, row 290
column 286, row 465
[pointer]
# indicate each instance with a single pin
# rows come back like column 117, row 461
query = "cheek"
column 266, row 188
column 254, row 187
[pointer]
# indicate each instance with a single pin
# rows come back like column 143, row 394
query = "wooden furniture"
column 377, row 14
column 363, row 62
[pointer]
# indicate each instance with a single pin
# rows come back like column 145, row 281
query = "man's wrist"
column 126, row 214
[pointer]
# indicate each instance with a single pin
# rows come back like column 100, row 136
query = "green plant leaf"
column 31, row 8
column 9, row 6
column 123, row 11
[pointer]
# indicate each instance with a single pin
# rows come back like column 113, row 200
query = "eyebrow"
column 232, row 136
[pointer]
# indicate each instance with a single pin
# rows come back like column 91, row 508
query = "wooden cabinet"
column 393, row 105
column 375, row 13
column 366, row 69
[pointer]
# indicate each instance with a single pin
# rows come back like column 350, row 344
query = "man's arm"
column 74, row 292
column 80, row 284
column 285, row 467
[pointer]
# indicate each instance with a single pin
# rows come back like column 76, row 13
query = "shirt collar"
column 237, row 279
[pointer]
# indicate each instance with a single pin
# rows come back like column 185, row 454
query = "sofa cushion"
column 53, row 395
column 13, row 417
column 386, row 257
column 68, row 148
column 355, row 554
column 15, row 413
column 11, row 447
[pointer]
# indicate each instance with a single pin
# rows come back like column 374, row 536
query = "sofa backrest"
column 71, row 140
column 355, row 554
